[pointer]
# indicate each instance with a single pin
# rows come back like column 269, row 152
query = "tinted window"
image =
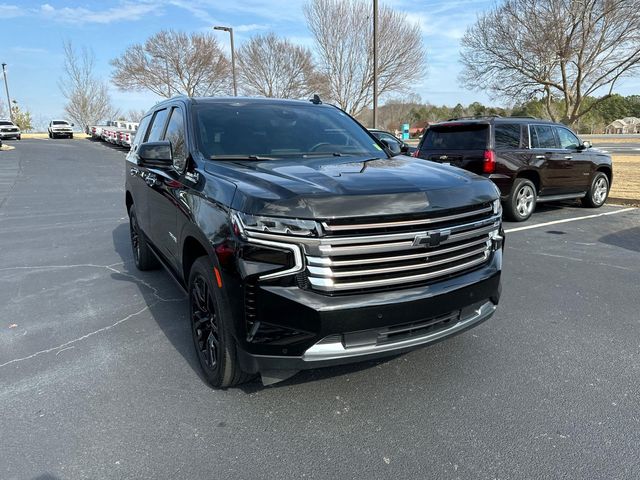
column 6, row 123
column 59, row 123
column 507, row 136
column 141, row 131
column 457, row 137
column 157, row 126
column 280, row 130
column 542, row 137
column 175, row 134
column 567, row 138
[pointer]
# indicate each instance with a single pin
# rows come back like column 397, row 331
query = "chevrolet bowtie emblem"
column 443, row 157
column 431, row 239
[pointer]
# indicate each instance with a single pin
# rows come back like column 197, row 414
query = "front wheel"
column 71, row 136
column 598, row 192
column 522, row 200
column 211, row 330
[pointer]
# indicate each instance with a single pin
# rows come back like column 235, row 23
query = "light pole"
column 375, row 63
column 6, row 86
column 233, row 57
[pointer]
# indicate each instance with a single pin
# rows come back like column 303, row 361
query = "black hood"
column 350, row 186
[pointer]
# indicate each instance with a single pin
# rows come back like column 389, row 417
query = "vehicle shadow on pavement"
column 166, row 301
column 628, row 239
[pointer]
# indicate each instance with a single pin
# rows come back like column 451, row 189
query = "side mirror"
column 155, row 154
column 392, row 146
column 404, row 148
column 73, row 124
column 586, row 144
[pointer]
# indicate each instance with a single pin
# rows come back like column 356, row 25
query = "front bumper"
column 354, row 328
column 9, row 134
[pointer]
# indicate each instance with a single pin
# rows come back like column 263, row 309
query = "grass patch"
column 626, row 177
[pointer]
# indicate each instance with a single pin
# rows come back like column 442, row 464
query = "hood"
column 350, row 186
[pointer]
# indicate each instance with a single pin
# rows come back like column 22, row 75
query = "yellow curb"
column 6, row 147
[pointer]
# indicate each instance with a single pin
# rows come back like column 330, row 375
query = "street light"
column 233, row 57
column 6, row 86
column 375, row 63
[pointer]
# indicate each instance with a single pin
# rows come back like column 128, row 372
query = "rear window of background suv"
column 457, row 137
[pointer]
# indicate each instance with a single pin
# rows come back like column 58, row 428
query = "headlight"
column 279, row 225
column 497, row 207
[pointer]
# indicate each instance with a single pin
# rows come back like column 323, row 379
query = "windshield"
column 6, row 123
column 56, row 122
column 457, row 137
column 249, row 129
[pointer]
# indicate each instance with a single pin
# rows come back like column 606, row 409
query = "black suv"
column 301, row 241
column 530, row 160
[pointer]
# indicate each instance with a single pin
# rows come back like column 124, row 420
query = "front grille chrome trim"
column 328, row 284
column 405, row 223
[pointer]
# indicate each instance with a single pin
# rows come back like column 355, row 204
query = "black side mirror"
column 404, row 148
column 155, row 154
column 393, row 147
column 73, row 124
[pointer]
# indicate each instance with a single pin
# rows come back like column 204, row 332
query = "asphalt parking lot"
column 98, row 378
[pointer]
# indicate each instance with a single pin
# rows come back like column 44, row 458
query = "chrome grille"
column 369, row 256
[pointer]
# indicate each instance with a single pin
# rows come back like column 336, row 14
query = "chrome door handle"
column 134, row 171
column 568, row 157
column 540, row 157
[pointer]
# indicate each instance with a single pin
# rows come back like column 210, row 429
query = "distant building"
column 623, row 126
column 416, row 129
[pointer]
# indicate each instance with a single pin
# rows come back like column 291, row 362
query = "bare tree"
column 274, row 67
column 88, row 99
column 343, row 34
column 135, row 115
column 553, row 49
column 171, row 63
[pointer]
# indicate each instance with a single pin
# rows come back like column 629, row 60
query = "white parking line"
column 574, row 219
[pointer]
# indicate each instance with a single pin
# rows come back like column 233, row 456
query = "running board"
column 567, row 196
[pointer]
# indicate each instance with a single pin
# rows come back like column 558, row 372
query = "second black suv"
column 530, row 160
column 301, row 241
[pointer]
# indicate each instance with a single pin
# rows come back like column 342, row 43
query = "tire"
column 598, row 191
column 522, row 200
column 71, row 136
column 50, row 136
column 142, row 254
column 211, row 328
column 19, row 137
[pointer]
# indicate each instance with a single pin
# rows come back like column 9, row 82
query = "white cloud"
column 11, row 11
column 80, row 15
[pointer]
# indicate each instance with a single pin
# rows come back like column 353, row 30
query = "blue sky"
column 32, row 32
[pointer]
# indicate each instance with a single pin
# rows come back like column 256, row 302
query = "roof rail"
column 522, row 116
column 474, row 117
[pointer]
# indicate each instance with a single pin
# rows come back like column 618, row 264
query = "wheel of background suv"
column 19, row 137
column 211, row 330
column 598, row 192
column 50, row 135
column 522, row 200
column 71, row 135
column 142, row 254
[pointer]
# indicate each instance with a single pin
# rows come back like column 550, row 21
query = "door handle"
column 568, row 157
column 134, row 171
column 541, row 157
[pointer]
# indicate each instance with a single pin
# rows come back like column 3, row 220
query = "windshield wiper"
column 240, row 157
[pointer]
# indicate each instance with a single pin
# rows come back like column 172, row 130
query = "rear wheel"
column 142, row 254
column 211, row 330
column 71, row 135
column 598, row 192
column 522, row 200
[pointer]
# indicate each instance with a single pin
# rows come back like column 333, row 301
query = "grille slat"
column 367, row 256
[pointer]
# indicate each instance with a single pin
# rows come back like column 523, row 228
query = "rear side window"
column 542, row 136
column 157, row 126
column 175, row 134
column 507, row 136
column 457, row 137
